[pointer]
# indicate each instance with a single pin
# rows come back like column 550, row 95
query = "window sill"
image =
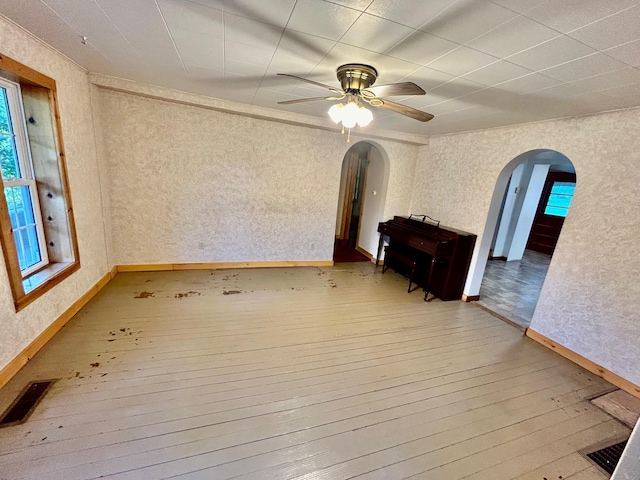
column 42, row 281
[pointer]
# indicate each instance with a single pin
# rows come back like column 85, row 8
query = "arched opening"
column 530, row 201
column 363, row 187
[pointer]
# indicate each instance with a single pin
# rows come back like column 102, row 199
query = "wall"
column 509, row 214
column 192, row 184
column 629, row 466
column 589, row 300
column 532, row 194
column 20, row 329
column 373, row 204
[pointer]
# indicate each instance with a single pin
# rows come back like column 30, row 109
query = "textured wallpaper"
column 19, row 329
column 191, row 184
column 589, row 299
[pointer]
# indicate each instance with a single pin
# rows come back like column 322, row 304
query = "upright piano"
column 437, row 256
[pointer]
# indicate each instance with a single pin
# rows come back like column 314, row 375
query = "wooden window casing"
column 48, row 159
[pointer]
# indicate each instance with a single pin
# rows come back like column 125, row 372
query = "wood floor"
column 511, row 289
column 307, row 373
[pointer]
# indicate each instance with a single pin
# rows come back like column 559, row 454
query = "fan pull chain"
column 349, row 137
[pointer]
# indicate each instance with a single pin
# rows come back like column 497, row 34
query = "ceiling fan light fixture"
column 335, row 112
column 350, row 114
column 364, row 116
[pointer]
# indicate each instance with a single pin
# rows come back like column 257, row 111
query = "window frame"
column 27, row 290
column 550, row 194
column 25, row 164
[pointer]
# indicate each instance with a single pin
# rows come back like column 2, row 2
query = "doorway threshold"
column 511, row 322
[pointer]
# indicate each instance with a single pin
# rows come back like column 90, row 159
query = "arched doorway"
column 530, row 202
column 363, row 186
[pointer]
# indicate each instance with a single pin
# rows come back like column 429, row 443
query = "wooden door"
column 347, row 201
column 552, row 209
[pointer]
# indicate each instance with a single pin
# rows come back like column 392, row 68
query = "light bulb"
column 335, row 112
column 364, row 116
column 350, row 115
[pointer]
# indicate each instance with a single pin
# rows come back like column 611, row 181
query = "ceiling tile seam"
column 206, row 6
column 519, row 13
column 341, row 37
column 164, row 21
column 606, row 73
column 603, row 91
column 541, row 72
column 442, row 12
column 45, row 44
column 551, row 40
column 474, row 38
column 567, row 34
column 459, row 97
column 118, row 29
column 604, row 52
column 601, row 19
column 350, row 8
column 462, row 77
column 455, row 49
column 284, row 29
column 466, row 45
column 347, row 6
column 80, row 35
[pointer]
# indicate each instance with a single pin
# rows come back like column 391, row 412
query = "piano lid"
column 419, row 224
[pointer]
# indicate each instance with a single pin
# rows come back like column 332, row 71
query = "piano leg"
column 380, row 244
column 426, row 287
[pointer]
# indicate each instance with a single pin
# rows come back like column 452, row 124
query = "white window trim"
column 25, row 162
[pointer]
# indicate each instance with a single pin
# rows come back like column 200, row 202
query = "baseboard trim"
column 153, row 267
column 470, row 298
column 585, row 363
column 14, row 366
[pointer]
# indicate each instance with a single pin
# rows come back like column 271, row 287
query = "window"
column 37, row 232
column 19, row 183
column 559, row 199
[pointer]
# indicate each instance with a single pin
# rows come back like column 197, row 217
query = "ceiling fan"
column 357, row 82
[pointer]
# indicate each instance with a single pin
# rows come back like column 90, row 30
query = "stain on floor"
column 144, row 295
column 186, row 295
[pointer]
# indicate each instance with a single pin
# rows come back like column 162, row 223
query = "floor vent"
column 607, row 458
column 23, row 406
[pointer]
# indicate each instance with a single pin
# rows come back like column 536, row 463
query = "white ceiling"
column 483, row 63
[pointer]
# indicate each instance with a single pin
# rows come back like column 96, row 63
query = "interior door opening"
column 526, row 219
column 353, row 183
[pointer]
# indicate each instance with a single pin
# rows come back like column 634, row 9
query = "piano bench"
column 390, row 253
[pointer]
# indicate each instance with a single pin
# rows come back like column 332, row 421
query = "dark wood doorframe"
column 355, row 184
column 353, row 203
column 546, row 229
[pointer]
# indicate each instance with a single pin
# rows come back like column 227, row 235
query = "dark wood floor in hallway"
column 511, row 289
column 305, row 373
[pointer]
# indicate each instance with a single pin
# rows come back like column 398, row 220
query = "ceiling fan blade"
column 394, row 89
column 312, row 99
column 333, row 89
column 404, row 110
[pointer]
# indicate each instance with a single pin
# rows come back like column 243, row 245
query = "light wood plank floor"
column 307, row 373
